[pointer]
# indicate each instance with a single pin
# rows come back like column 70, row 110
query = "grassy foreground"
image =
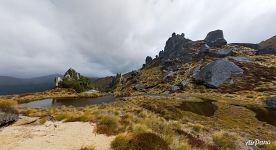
column 162, row 123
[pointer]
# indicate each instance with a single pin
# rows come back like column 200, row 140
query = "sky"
column 104, row 37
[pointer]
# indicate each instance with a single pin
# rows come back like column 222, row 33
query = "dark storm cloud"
column 103, row 37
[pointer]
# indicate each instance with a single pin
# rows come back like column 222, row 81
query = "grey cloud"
column 103, row 37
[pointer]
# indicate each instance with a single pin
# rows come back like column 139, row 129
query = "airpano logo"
column 257, row 142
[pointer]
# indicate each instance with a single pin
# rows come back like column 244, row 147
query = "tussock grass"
column 142, row 141
column 108, row 125
column 271, row 146
column 225, row 140
column 7, row 103
column 120, row 142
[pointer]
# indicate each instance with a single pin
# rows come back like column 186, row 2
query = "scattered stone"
column 170, row 75
column 204, row 49
column 215, row 38
column 183, row 84
column 166, row 92
column 221, row 53
column 216, row 73
column 175, row 88
column 242, row 59
column 271, row 102
column 139, row 87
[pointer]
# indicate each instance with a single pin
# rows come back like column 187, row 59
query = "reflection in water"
column 68, row 102
column 206, row 108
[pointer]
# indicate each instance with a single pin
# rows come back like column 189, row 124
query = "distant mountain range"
column 11, row 85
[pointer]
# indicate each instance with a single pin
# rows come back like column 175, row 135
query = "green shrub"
column 143, row 141
column 147, row 141
column 108, row 125
column 140, row 128
column 225, row 140
column 80, row 85
column 120, row 142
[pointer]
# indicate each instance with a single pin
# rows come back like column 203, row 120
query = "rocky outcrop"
column 271, row 102
column 57, row 81
column 71, row 74
column 266, row 52
column 139, row 87
column 215, row 38
column 148, row 60
column 216, row 73
column 177, row 47
column 176, row 42
column 8, row 116
column 221, row 53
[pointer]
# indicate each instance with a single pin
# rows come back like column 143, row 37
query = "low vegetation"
column 225, row 140
column 162, row 116
column 81, row 85
column 141, row 141
column 7, row 103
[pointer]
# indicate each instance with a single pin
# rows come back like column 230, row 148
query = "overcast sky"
column 103, row 37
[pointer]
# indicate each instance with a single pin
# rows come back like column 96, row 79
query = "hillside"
column 269, row 43
column 204, row 65
column 204, row 94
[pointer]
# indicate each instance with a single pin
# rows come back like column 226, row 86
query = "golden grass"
column 142, row 114
column 225, row 140
column 7, row 103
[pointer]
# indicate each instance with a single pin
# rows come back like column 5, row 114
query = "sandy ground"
column 52, row 136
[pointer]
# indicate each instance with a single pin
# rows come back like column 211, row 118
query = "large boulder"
column 221, row 53
column 71, row 74
column 271, row 102
column 216, row 73
column 215, row 38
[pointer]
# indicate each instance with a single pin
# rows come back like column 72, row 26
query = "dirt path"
column 52, row 136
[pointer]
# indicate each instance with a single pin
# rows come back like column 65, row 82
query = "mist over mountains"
column 12, row 85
